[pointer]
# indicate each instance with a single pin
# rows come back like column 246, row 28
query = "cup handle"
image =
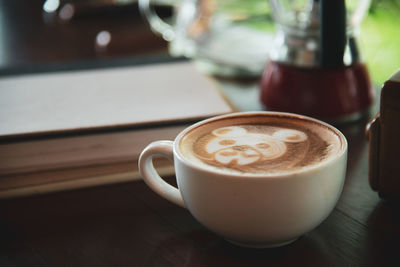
column 156, row 23
column 150, row 175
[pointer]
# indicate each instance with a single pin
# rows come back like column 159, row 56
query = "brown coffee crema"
column 260, row 148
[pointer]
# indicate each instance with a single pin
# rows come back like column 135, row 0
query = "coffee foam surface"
column 260, row 145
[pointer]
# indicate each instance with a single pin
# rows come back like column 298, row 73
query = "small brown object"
column 383, row 133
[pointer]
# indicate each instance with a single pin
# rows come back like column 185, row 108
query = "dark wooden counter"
column 129, row 225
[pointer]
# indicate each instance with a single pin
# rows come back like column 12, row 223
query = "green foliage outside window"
column 380, row 39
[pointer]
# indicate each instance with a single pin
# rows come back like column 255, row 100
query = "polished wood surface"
column 129, row 225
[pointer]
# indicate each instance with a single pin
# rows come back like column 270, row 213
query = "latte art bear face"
column 256, row 148
column 235, row 145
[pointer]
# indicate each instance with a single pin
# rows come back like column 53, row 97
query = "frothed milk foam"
column 259, row 144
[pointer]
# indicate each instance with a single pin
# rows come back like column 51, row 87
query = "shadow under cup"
column 255, row 209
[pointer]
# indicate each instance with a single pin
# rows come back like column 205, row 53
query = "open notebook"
column 132, row 106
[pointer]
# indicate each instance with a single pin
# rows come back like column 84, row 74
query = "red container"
column 329, row 94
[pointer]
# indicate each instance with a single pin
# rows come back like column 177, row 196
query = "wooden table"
column 129, row 225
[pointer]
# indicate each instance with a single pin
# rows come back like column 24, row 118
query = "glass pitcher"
column 224, row 37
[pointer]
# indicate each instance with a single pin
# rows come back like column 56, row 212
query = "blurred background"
column 37, row 32
column 381, row 39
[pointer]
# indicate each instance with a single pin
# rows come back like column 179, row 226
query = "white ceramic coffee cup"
column 250, row 210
